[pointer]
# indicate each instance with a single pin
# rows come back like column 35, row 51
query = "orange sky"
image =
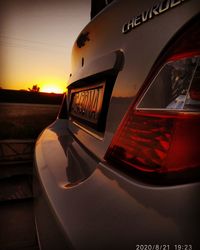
column 36, row 38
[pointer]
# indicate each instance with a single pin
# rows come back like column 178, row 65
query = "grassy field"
column 25, row 121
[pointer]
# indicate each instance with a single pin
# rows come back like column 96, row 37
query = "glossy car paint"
column 84, row 203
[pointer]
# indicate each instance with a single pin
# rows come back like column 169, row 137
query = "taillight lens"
column 161, row 132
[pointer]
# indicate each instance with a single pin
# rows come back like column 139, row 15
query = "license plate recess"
column 86, row 105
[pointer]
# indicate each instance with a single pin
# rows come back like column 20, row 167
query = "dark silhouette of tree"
column 35, row 88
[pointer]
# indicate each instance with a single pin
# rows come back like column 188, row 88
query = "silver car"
column 119, row 168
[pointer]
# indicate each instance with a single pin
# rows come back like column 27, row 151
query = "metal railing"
column 16, row 151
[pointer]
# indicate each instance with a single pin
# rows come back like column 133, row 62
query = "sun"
column 51, row 88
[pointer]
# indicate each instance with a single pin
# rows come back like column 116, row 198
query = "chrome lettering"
column 175, row 3
column 137, row 21
column 145, row 16
column 164, row 6
column 154, row 11
column 157, row 9
column 128, row 26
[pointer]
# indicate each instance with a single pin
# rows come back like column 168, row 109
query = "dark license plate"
column 87, row 103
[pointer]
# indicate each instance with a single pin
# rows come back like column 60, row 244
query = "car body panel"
column 108, row 209
column 141, row 47
column 93, row 204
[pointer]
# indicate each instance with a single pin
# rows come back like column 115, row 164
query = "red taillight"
column 161, row 132
column 157, row 142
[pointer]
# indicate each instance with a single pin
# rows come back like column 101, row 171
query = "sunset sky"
column 36, row 37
